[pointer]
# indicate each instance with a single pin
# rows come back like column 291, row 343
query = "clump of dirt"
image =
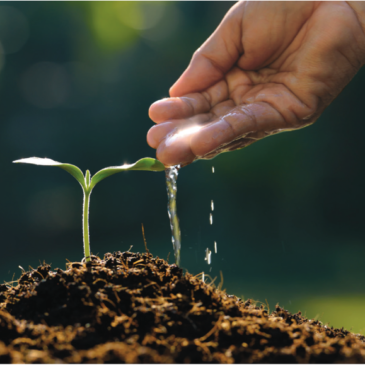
column 135, row 308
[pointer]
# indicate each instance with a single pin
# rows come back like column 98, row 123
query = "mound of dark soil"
column 131, row 307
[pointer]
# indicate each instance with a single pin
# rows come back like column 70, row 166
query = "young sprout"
column 88, row 183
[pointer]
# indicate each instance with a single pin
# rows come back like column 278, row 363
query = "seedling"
column 88, row 184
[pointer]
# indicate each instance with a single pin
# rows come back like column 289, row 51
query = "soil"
column 134, row 308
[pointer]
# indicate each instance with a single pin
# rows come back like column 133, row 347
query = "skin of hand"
column 269, row 67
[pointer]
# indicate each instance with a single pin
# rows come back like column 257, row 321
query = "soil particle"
column 134, row 308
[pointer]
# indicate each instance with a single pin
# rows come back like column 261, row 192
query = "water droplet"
column 208, row 256
column 211, row 218
column 213, row 169
column 210, row 269
column 212, row 205
column 215, row 247
column 203, row 276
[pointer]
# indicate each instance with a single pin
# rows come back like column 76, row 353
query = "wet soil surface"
column 135, row 308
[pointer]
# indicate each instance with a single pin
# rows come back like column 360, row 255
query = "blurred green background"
column 76, row 82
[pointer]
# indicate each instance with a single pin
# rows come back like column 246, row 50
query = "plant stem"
column 85, row 217
column 85, row 227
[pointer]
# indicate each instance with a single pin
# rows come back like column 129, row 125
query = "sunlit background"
column 76, row 82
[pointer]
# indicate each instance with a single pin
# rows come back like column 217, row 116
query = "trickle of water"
column 171, row 178
column 212, row 205
column 211, row 218
column 215, row 246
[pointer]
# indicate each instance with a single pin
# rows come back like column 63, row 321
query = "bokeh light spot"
column 141, row 15
column 167, row 25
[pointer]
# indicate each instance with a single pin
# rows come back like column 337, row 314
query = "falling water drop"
column 212, row 205
column 213, row 169
column 215, row 247
column 203, row 277
column 208, row 256
column 211, row 218
column 171, row 178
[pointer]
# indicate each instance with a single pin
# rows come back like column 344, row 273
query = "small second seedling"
column 88, row 183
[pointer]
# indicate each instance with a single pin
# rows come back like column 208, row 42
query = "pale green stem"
column 86, row 226
column 85, row 217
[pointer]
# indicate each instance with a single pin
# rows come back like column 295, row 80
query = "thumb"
column 214, row 58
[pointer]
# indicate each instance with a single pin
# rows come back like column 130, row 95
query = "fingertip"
column 174, row 90
column 201, row 74
column 158, row 132
column 150, row 139
column 154, row 112
column 165, row 109
column 182, row 87
column 151, row 112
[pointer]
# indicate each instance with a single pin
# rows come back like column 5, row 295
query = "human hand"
column 269, row 67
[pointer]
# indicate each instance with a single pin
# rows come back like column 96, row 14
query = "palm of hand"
column 283, row 67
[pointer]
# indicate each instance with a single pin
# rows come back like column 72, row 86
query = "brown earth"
column 134, row 308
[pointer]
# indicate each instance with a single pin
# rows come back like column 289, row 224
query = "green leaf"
column 145, row 164
column 72, row 169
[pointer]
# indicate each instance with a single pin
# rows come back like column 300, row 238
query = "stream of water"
column 171, row 178
column 171, row 174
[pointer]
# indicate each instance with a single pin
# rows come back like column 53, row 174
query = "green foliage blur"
column 76, row 82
